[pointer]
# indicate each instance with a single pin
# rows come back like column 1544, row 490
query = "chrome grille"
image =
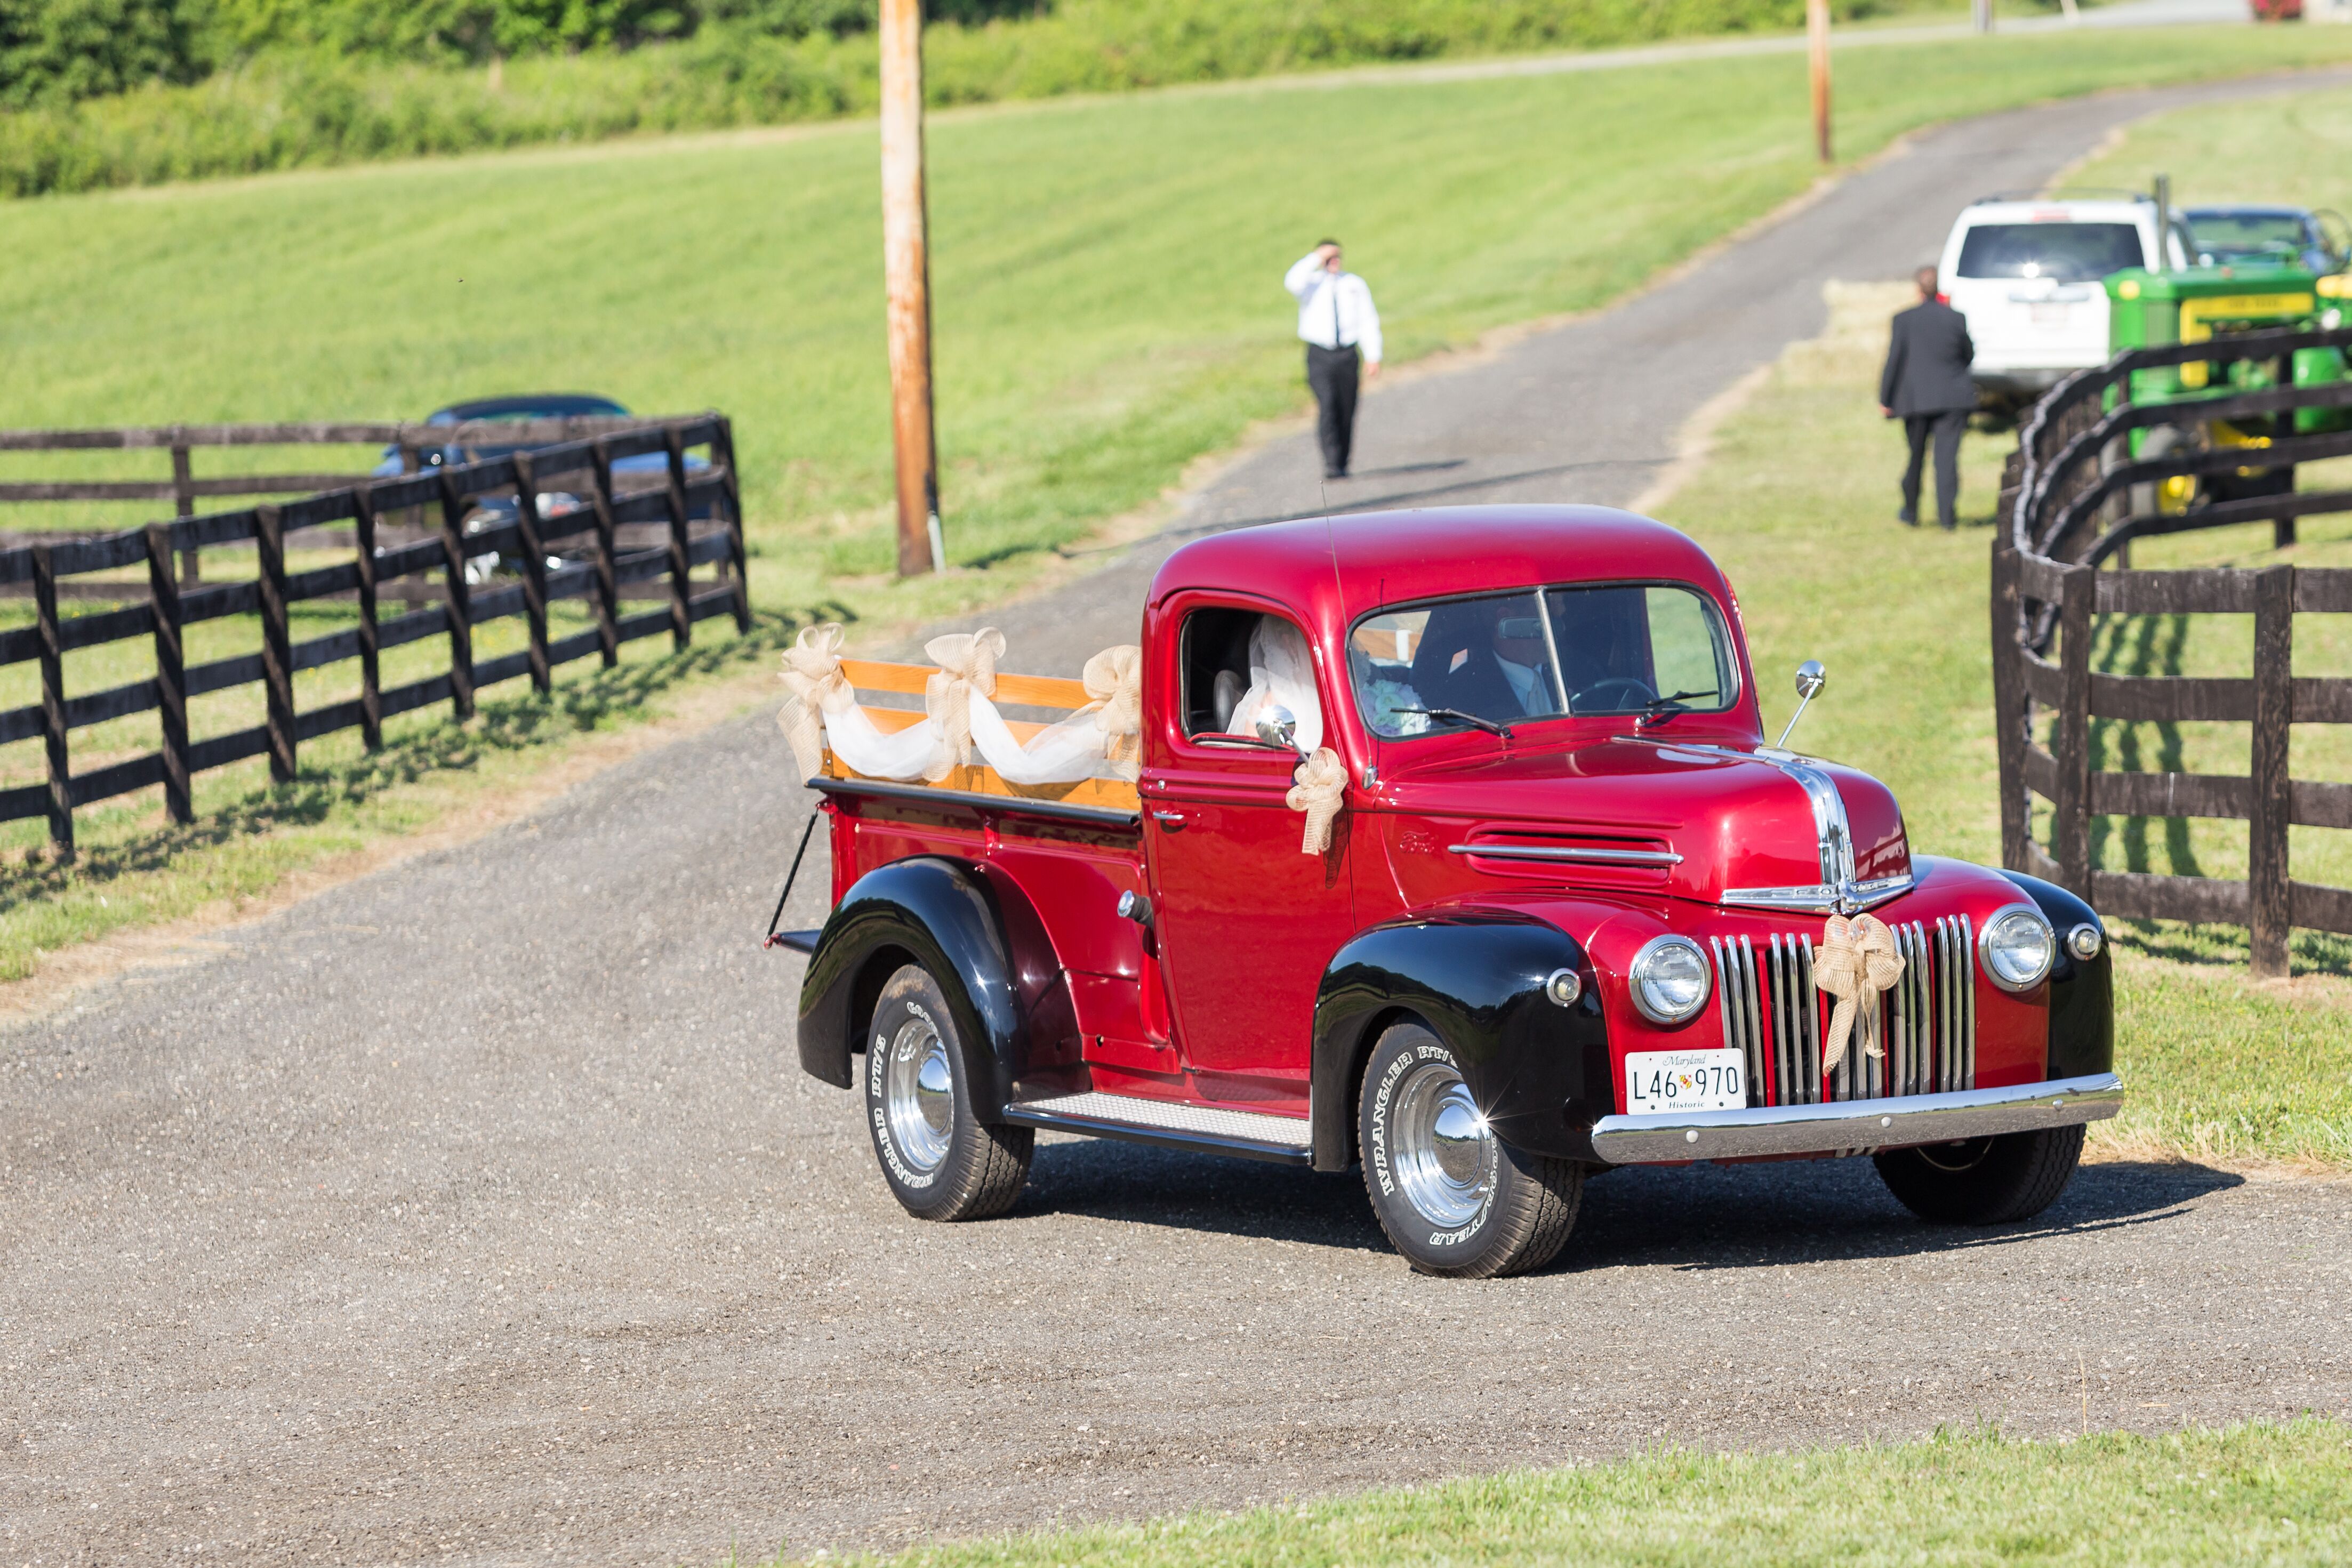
column 1777, row 1020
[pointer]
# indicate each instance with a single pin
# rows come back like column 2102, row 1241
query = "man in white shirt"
column 1337, row 322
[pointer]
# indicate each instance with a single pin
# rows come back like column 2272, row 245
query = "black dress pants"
column 1946, row 425
column 1331, row 373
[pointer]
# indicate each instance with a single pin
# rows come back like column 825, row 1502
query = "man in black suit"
column 1926, row 385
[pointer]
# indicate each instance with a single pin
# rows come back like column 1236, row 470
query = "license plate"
column 1662, row 1081
column 2051, row 316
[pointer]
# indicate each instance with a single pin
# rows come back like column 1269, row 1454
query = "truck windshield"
column 2069, row 252
column 1503, row 659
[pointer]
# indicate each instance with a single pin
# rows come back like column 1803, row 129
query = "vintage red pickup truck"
column 1446, row 844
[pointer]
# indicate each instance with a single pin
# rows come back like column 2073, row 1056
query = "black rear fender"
column 948, row 917
column 1539, row 1071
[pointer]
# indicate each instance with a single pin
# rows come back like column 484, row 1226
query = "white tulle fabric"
column 1282, row 674
column 1096, row 742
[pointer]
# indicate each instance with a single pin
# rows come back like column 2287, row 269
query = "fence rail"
column 2067, row 511
column 410, row 439
column 591, row 531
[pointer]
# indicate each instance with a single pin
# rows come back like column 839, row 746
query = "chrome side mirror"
column 1278, row 727
column 1810, row 679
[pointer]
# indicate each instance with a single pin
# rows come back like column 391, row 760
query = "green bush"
column 346, row 81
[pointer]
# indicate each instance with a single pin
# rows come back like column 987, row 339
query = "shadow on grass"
column 1684, row 1218
column 503, row 726
column 2225, row 946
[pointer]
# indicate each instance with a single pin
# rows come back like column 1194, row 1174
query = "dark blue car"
column 646, row 471
column 2245, row 231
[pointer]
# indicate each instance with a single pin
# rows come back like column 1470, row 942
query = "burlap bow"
column 1857, row 962
column 814, row 686
column 1114, row 678
column 967, row 666
column 1318, row 788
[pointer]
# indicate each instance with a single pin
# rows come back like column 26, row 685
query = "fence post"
column 681, row 615
column 2013, row 723
column 2070, row 828
column 277, row 646
column 738, row 557
column 457, row 599
column 608, row 591
column 371, row 645
column 534, row 570
column 184, row 505
column 2269, row 904
column 53, row 703
column 171, row 678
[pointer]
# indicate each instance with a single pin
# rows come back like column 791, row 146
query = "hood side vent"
column 1583, row 857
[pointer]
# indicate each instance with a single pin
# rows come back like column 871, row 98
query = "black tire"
column 1494, row 1210
column 1983, row 1181
column 940, row 1162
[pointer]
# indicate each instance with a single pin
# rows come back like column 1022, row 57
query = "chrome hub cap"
column 1444, row 1152
column 918, row 1095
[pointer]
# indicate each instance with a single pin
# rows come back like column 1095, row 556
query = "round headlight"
column 2019, row 947
column 1670, row 980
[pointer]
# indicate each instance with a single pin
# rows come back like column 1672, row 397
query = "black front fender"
column 931, row 912
column 1539, row 1071
column 2081, row 990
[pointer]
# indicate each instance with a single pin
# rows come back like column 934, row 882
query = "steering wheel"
column 1631, row 684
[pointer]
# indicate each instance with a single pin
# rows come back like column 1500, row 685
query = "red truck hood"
column 1613, row 814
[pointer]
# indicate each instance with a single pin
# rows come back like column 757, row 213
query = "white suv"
column 2026, row 273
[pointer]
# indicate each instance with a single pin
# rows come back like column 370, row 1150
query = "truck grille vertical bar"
column 1963, row 986
column 1735, row 969
column 1784, row 1060
column 1755, row 1022
column 1809, row 1014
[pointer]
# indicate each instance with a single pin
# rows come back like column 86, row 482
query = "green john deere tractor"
column 2145, row 309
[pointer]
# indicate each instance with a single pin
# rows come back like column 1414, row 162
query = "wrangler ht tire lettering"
column 939, row 1161
column 1454, row 1200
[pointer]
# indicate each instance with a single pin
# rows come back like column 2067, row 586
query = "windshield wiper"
column 1489, row 724
column 1660, row 709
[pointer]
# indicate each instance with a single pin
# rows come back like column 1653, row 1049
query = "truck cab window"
column 1239, row 664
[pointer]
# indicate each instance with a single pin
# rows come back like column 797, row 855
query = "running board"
column 1251, row 1134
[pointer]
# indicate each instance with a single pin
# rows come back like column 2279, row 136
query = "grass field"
column 2270, row 1494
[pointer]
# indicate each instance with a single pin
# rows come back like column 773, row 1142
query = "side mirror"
column 1278, row 727
column 1810, row 679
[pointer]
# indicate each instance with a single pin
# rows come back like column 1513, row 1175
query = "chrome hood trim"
column 1853, row 1126
column 1838, row 892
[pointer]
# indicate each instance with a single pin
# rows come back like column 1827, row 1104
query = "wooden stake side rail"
column 1115, row 795
column 598, row 574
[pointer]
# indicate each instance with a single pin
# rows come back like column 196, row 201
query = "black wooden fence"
column 2066, row 511
column 410, row 442
column 593, row 564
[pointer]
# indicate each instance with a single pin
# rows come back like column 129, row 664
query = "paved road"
column 474, row 1211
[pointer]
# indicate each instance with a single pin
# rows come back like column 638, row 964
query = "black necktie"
column 1336, row 343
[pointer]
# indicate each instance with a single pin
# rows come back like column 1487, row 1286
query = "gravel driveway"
column 476, row 1212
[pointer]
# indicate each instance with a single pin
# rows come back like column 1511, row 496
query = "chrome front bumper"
column 1852, row 1126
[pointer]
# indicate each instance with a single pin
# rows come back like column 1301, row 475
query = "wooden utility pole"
column 1817, row 33
column 907, row 268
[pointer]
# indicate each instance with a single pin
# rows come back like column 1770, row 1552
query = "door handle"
column 1172, row 820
